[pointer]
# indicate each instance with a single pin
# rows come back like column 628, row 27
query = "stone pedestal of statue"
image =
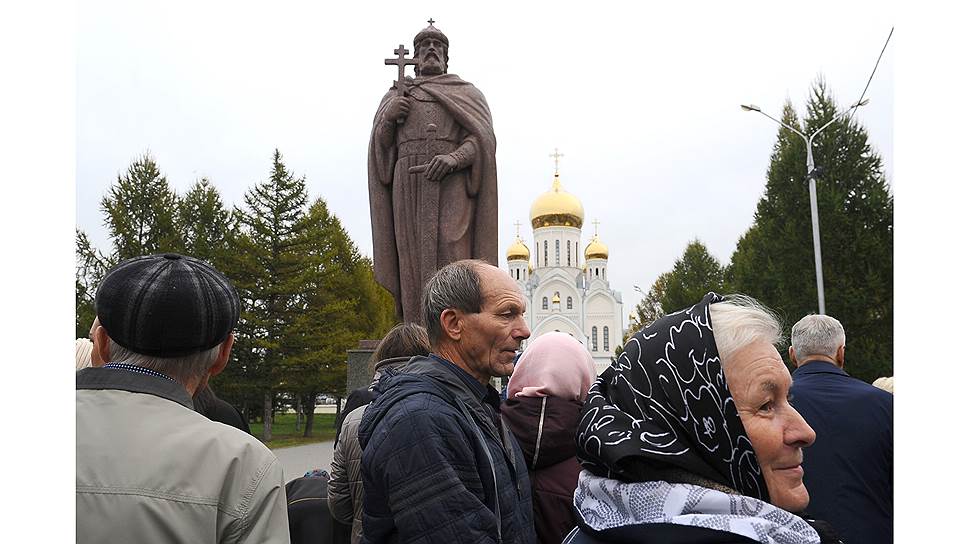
column 358, row 371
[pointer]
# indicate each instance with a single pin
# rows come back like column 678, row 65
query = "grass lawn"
column 284, row 432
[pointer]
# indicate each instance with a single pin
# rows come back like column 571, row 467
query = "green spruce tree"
column 335, row 310
column 268, row 266
column 140, row 210
column 694, row 274
column 774, row 260
column 204, row 223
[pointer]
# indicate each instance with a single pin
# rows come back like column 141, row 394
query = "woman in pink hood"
column 545, row 394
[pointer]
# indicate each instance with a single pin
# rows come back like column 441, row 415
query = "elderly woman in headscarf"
column 545, row 395
column 689, row 436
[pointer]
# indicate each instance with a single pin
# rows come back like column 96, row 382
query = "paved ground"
column 298, row 460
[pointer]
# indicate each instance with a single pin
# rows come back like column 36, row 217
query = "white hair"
column 184, row 370
column 739, row 321
column 817, row 335
column 82, row 353
column 886, row 383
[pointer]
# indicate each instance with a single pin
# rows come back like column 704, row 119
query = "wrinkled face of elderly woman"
column 760, row 385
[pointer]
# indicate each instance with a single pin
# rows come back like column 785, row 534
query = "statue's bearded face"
column 432, row 56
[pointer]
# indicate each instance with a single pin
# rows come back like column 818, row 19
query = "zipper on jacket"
column 490, row 460
column 537, row 443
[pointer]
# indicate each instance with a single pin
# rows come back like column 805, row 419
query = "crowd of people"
column 697, row 432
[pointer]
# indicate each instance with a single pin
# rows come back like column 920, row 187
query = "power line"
column 876, row 64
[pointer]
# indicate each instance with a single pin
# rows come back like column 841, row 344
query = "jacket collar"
column 461, row 384
column 819, row 367
column 108, row 378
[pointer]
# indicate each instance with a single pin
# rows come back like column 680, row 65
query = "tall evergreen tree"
column 693, row 275
column 140, row 210
column 774, row 259
column 336, row 308
column 268, row 266
column 204, row 223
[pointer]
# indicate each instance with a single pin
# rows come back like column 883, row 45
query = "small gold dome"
column 557, row 208
column 596, row 249
column 556, row 299
column 517, row 251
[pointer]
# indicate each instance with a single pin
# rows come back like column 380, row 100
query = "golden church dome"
column 517, row 251
column 557, row 208
column 596, row 249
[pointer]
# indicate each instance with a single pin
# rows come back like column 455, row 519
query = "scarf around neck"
column 664, row 404
column 604, row 504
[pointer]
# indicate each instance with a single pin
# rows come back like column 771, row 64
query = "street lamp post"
column 811, row 177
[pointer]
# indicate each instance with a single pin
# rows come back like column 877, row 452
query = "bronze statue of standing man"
column 432, row 174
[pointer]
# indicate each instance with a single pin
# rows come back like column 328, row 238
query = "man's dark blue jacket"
column 849, row 470
column 433, row 472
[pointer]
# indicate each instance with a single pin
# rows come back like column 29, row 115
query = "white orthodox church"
column 566, row 284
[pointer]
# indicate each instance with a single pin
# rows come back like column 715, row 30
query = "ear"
column 223, row 356
column 841, row 356
column 452, row 323
column 793, row 356
column 102, row 350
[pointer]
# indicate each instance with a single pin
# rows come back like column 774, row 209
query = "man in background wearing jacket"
column 438, row 463
column 849, row 469
column 150, row 468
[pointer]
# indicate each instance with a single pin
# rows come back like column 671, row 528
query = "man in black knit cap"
column 150, row 468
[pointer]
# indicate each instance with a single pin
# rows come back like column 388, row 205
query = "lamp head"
column 749, row 107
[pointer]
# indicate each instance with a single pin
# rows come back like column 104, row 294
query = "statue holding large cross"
column 432, row 173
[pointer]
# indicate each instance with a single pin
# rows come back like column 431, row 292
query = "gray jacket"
column 346, row 480
column 151, row 469
column 345, row 489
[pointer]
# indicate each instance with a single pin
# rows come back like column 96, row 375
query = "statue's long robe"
column 467, row 211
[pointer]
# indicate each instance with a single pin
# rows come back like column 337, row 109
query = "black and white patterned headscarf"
column 664, row 405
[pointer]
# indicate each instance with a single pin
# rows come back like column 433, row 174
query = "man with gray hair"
column 439, row 465
column 849, row 469
column 150, row 468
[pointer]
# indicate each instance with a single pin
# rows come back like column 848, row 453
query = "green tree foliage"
column 140, row 211
column 774, row 259
column 204, row 224
column 693, row 275
column 307, row 294
column 649, row 308
column 336, row 308
column 269, row 266
column 90, row 267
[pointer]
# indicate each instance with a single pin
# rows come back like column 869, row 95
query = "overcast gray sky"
column 643, row 102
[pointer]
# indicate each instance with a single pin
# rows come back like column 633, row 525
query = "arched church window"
column 605, row 338
column 544, row 303
column 546, row 252
column 557, row 252
column 594, row 338
column 569, row 303
column 596, row 272
column 568, row 251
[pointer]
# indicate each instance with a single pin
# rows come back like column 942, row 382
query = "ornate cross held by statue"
column 401, row 61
